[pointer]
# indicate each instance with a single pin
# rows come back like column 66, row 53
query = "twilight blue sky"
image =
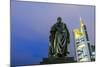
column 31, row 23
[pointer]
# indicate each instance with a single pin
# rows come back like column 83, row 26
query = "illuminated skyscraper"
column 81, row 43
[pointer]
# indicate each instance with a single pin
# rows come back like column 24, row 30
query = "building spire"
column 81, row 22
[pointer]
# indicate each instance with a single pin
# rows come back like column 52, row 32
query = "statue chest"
column 60, row 28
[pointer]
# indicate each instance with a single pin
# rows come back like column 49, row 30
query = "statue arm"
column 53, row 29
column 52, row 34
column 51, row 40
column 67, row 32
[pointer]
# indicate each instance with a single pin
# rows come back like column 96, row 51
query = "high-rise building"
column 81, row 43
column 92, row 52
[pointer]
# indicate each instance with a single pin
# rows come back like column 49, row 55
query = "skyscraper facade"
column 81, row 43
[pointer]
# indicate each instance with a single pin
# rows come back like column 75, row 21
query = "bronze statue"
column 59, row 39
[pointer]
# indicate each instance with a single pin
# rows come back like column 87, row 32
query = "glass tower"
column 81, row 43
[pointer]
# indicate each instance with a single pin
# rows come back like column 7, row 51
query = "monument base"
column 52, row 60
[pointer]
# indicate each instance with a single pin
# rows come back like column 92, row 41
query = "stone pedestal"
column 52, row 60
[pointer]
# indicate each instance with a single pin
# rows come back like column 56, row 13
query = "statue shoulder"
column 53, row 27
column 64, row 24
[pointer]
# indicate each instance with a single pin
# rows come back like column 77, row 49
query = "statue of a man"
column 59, row 39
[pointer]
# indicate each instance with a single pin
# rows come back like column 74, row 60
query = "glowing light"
column 77, row 33
column 81, row 46
column 84, row 59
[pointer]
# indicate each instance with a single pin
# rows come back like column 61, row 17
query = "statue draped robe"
column 59, row 40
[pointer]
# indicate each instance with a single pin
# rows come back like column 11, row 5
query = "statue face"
column 59, row 19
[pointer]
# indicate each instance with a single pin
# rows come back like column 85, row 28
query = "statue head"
column 59, row 19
